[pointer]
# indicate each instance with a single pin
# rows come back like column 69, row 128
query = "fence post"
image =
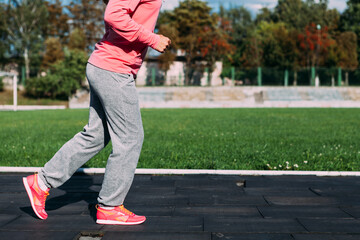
column 339, row 76
column 153, row 76
column 286, row 78
column 259, row 76
column 233, row 75
column 312, row 82
column 207, row 76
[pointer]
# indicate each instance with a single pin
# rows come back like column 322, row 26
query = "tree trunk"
column 27, row 63
column 346, row 78
column 187, row 71
column 165, row 80
column 209, row 77
column 212, row 67
column 295, row 78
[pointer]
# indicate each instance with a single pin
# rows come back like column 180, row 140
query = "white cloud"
column 169, row 4
column 260, row 5
column 253, row 6
column 338, row 4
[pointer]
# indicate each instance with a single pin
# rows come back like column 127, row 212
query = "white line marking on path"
column 196, row 171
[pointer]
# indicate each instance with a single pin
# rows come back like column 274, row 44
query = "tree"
column 238, row 24
column 214, row 46
column 24, row 20
column 88, row 16
column 350, row 20
column 319, row 13
column 278, row 46
column 252, row 54
column 165, row 17
column 63, row 79
column 4, row 44
column 190, row 19
column 53, row 52
column 77, row 39
column 315, row 44
column 348, row 57
column 298, row 14
column 292, row 13
column 166, row 59
column 57, row 21
column 264, row 15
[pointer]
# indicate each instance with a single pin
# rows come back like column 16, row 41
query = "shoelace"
column 123, row 209
column 43, row 199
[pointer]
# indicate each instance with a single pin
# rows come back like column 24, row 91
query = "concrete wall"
column 175, row 75
column 213, row 97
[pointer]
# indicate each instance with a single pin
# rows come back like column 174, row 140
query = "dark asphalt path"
column 191, row 207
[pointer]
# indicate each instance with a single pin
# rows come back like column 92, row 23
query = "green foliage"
column 291, row 12
column 57, row 22
column 168, row 57
column 24, row 21
column 88, row 15
column 191, row 19
column 264, row 15
column 1, row 84
column 77, row 39
column 348, row 57
column 231, row 35
column 53, row 52
column 63, row 79
column 351, row 17
column 240, row 29
column 298, row 14
column 278, row 46
column 350, row 21
column 4, row 45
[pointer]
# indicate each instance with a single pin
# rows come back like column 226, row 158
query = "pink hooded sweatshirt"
column 129, row 26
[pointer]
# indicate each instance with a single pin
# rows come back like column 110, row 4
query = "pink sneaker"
column 36, row 195
column 119, row 216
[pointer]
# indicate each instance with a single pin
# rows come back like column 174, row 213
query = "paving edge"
column 31, row 107
column 196, row 171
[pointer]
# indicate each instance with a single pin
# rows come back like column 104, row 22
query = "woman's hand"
column 163, row 44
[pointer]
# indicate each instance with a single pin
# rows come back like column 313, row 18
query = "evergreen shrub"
column 62, row 79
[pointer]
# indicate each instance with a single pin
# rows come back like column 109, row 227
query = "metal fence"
column 236, row 76
column 302, row 77
column 232, row 76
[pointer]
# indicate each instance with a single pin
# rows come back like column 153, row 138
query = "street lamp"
column 316, row 77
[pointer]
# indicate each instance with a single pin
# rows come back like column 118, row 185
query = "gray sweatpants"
column 114, row 114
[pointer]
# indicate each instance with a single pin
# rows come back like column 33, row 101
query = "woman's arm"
column 117, row 16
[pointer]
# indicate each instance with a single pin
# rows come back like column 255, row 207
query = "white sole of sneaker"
column 111, row 222
column 28, row 190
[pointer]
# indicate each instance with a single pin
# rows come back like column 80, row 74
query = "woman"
column 114, row 112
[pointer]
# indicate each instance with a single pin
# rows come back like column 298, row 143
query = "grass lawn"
column 6, row 98
column 300, row 139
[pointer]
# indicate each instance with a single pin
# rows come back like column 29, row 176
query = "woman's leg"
column 118, row 95
column 81, row 148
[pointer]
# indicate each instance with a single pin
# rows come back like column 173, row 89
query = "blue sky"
column 252, row 5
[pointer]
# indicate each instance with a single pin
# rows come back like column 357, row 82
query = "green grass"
column 6, row 98
column 296, row 139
